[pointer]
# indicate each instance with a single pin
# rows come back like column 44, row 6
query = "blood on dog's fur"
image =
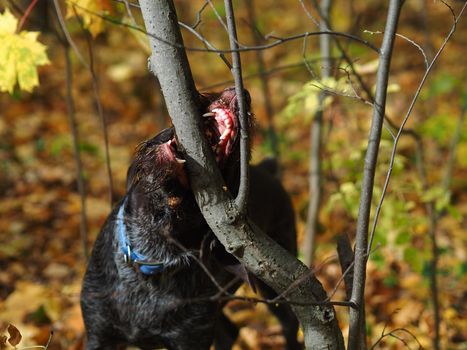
column 159, row 292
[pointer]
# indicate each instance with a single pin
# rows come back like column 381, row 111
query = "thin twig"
column 276, row 42
column 100, row 111
column 315, row 176
column 128, row 11
column 75, row 138
column 410, row 41
column 68, row 36
column 222, row 290
column 218, row 16
column 254, row 75
column 407, row 115
column 198, row 15
column 79, row 166
column 361, row 254
column 308, row 14
column 205, row 42
column 26, row 15
column 391, row 333
column 305, row 60
column 264, row 79
column 388, row 124
column 242, row 197
column 430, row 206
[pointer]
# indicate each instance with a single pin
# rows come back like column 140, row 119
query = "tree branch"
column 371, row 157
column 242, row 197
column 264, row 78
column 316, row 141
column 83, row 226
column 240, row 237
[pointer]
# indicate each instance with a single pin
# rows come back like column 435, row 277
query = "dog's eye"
column 174, row 201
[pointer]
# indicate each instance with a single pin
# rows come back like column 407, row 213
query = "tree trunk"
column 254, row 249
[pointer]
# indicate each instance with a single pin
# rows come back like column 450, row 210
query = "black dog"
column 149, row 282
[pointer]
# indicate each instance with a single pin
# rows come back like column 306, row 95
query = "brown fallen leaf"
column 15, row 335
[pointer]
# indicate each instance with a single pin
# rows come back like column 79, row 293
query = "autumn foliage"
column 42, row 257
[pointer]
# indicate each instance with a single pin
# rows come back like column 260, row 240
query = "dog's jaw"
column 221, row 129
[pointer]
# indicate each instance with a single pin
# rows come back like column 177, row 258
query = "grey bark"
column 264, row 78
column 254, row 249
column 371, row 157
column 242, row 197
column 316, row 141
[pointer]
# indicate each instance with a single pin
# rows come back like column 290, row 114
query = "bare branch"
column 392, row 334
column 205, row 42
column 412, row 42
column 308, row 14
column 254, row 75
column 315, row 175
column 77, row 154
column 218, row 16
column 90, row 66
column 242, row 197
column 264, row 78
column 100, row 112
column 407, row 115
column 361, row 255
column 242, row 48
column 68, row 36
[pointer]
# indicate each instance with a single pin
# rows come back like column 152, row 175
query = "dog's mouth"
column 221, row 130
column 220, row 126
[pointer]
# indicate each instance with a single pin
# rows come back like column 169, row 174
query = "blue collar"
column 133, row 258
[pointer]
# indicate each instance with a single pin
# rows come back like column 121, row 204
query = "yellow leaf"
column 91, row 12
column 8, row 23
column 20, row 54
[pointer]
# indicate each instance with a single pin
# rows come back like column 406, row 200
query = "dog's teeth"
column 225, row 134
column 209, row 114
column 180, row 161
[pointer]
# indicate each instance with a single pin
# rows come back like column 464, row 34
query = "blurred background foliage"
column 41, row 257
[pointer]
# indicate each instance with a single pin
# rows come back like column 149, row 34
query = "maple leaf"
column 90, row 11
column 20, row 54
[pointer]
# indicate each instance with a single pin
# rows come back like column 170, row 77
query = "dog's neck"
column 133, row 257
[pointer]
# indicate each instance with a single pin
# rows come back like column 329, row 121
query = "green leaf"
column 414, row 258
column 391, row 281
column 378, row 259
column 443, row 83
column 20, row 55
column 403, row 238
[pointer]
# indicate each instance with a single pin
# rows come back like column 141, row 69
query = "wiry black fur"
column 172, row 309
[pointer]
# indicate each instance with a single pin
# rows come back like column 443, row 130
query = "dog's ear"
column 138, row 201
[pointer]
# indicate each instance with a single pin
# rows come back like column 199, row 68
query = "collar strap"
column 132, row 257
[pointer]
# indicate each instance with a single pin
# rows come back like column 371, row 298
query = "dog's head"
column 159, row 162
